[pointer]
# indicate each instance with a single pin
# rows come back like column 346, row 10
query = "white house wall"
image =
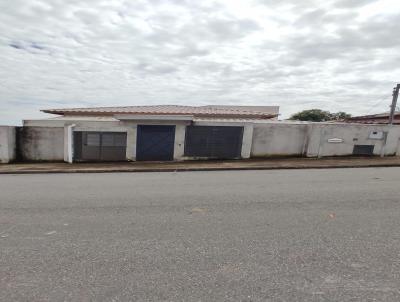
column 130, row 127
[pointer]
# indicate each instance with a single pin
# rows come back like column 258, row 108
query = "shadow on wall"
column 40, row 144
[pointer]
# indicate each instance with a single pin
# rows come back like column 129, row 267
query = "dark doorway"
column 222, row 142
column 155, row 142
column 99, row 146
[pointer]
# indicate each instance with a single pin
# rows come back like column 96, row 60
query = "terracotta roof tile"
column 380, row 118
column 198, row 111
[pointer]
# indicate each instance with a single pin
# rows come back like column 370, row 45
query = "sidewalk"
column 252, row 164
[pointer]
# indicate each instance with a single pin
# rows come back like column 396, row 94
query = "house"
column 156, row 133
column 161, row 133
column 381, row 118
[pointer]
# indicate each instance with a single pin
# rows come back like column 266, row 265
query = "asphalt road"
column 290, row 235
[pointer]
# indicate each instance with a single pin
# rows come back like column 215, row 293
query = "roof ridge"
column 238, row 109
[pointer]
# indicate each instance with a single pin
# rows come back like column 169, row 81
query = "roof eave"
column 155, row 115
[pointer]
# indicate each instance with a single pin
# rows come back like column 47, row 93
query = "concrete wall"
column 7, row 144
column 278, row 139
column 41, row 143
column 47, row 140
column 315, row 139
column 350, row 134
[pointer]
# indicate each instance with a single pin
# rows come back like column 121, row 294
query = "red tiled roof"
column 374, row 121
column 380, row 118
column 198, row 111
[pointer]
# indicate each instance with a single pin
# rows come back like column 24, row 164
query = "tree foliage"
column 318, row 115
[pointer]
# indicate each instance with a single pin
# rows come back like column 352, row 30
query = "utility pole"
column 391, row 117
column 394, row 104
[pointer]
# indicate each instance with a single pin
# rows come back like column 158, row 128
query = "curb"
column 70, row 171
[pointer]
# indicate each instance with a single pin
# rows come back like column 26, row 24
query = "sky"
column 336, row 55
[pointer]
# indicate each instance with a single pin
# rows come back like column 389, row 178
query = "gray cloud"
column 231, row 29
column 328, row 54
column 353, row 3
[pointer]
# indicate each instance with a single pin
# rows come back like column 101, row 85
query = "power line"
column 379, row 102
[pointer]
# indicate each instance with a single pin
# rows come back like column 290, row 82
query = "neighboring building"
column 166, row 132
column 381, row 118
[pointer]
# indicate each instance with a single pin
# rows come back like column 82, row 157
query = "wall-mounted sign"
column 376, row 135
column 335, row 140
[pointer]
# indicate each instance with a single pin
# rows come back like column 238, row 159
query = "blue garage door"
column 155, row 142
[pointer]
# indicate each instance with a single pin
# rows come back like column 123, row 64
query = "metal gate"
column 99, row 146
column 213, row 141
column 155, row 142
column 364, row 150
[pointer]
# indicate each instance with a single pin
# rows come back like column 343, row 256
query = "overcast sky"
column 337, row 55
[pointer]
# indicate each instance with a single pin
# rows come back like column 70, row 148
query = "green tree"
column 340, row 116
column 318, row 115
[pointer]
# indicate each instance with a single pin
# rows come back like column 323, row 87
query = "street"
column 282, row 235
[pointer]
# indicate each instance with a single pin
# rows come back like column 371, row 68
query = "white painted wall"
column 278, row 139
column 312, row 139
column 7, row 144
column 351, row 134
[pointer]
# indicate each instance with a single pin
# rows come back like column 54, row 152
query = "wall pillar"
column 131, row 138
column 69, row 143
column 179, row 146
column 7, row 144
column 247, row 141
